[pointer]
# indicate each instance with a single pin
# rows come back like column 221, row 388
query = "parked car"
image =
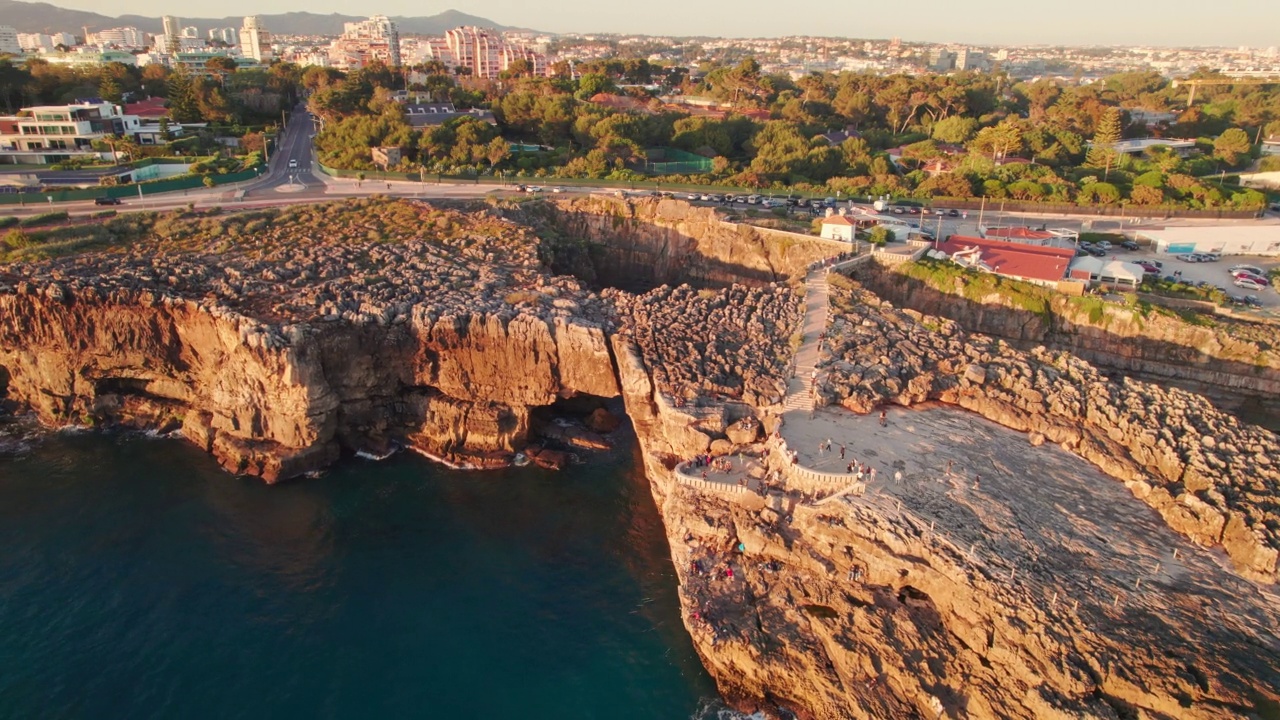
column 953, row 213
column 1248, row 284
column 1097, row 252
column 1251, row 278
column 1189, row 257
column 1081, row 252
column 1252, row 300
column 106, row 201
column 1104, row 244
column 1251, row 269
column 1148, row 268
column 1129, row 245
column 1157, row 263
column 1210, row 257
column 898, row 210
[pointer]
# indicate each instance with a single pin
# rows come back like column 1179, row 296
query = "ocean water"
column 138, row 580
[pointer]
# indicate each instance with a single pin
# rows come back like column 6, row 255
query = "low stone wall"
column 686, row 477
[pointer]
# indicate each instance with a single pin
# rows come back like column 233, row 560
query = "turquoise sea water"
column 138, row 580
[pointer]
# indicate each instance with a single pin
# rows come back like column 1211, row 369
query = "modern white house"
column 52, row 133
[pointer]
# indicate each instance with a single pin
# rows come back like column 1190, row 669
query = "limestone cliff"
column 1236, row 364
column 279, row 355
column 636, row 244
column 1051, row 593
column 277, row 402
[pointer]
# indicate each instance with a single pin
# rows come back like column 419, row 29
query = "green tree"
column 184, row 104
column 956, row 130
column 110, row 90
column 1232, row 146
column 1102, row 152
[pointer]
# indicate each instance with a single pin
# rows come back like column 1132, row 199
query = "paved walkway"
column 799, row 399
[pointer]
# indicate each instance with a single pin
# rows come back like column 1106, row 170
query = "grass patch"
column 523, row 296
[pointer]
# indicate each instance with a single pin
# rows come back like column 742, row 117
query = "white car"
column 1251, row 269
column 293, row 163
column 1103, row 244
column 557, row 189
column 1249, row 284
column 533, row 189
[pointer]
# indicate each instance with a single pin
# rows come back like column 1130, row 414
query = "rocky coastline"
column 458, row 332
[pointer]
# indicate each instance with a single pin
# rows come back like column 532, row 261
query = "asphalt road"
column 294, row 145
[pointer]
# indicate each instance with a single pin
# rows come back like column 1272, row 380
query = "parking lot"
column 1214, row 273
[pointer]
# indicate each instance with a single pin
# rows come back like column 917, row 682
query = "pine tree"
column 1102, row 152
column 183, row 103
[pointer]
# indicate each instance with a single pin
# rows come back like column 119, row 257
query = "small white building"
column 1103, row 271
column 838, row 227
column 1253, row 239
column 1139, row 146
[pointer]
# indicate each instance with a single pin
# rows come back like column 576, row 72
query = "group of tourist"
column 707, row 462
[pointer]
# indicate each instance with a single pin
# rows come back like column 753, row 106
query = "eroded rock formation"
column 1211, row 476
column 1234, row 362
column 276, row 355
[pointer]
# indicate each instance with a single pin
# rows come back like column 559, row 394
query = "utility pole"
column 981, row 209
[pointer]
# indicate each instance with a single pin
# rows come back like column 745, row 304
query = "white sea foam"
column 365, row 455
column 442, row 461
column 715, row 709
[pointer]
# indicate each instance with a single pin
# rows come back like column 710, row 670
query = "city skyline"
column 988, row 22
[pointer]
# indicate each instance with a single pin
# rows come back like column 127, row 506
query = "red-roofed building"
column 838, row 227
column 149, row 109
column 1017, row 234
column 1020, row 261
column 621, row 103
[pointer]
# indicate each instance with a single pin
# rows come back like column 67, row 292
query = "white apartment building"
column 484, row 52
column 122, row 37
column 50, row 133
column 375, row 38
column 9, row 41
column 35, row 42
column 255, row 41
column 228, row 35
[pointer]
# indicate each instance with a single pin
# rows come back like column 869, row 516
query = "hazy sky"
column 1077, row 22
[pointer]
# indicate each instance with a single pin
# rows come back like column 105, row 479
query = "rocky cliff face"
column 638, row 244
column 280, row 402
column 1236, row 370
column 1042, row 598
column 278, row 356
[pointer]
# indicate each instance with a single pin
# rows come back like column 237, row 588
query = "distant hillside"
column 42, row 17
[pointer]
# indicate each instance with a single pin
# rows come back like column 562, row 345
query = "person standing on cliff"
column 841, row 451
column 884, row 418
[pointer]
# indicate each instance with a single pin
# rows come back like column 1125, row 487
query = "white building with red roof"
column 1030, row 263
column 838, row 227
